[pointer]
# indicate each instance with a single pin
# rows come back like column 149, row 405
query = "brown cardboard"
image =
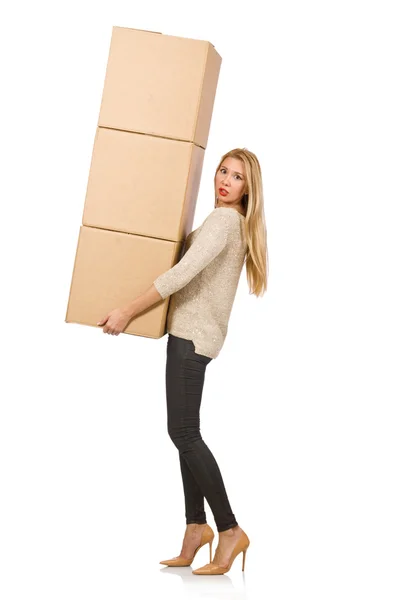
column 143, row 184
column 111, row 269
column 145, row 173
column 160, row 85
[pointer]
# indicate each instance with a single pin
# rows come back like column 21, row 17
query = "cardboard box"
column 160, row 85
column 143, row 184
column 145, row 173
column 111, row 269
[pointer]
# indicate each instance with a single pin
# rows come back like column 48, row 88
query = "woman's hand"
column 115, row 321
column 118, row 318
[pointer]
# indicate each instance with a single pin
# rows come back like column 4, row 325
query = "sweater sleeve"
column 210, row 241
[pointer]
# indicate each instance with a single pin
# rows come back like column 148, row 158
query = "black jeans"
column 185, row 372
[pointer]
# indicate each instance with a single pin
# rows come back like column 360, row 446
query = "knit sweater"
column 204, row 282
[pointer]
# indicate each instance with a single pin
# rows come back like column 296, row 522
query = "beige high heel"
column 207, row 537
column 214, row 569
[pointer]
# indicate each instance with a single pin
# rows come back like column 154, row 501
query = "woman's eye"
column 222, row 170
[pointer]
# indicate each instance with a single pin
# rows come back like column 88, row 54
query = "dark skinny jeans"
column 185, row 373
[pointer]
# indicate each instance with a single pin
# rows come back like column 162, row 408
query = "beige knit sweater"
column 204, row 282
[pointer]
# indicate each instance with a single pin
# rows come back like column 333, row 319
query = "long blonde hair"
column 257, row 257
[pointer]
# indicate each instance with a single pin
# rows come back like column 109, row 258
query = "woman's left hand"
column 115, row 321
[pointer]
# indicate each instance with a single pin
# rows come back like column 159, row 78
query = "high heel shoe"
column 214, row 569
column 207, row 537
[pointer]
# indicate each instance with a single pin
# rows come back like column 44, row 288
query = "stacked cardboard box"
column 145, row 172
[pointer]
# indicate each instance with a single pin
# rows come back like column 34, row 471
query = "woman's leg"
column 194, row 499
column 185, row 373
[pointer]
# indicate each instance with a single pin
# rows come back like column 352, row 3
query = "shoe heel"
column 244, row 552
column 211, row 550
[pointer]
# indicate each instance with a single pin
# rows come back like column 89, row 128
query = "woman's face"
column 230, row 177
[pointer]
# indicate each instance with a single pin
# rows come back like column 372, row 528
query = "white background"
column 299, row 408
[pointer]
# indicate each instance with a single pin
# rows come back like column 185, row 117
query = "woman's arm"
column 117, row 319
column 210, row 241
column 142, row 302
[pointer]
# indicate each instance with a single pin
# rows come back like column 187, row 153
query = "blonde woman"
column 203, row 285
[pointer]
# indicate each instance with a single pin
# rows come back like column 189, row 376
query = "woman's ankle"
column 195, row 525
column 231, row 531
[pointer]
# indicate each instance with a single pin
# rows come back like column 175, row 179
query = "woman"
column 203, row 285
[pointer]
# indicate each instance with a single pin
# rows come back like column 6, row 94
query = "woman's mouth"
column 223, row 192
